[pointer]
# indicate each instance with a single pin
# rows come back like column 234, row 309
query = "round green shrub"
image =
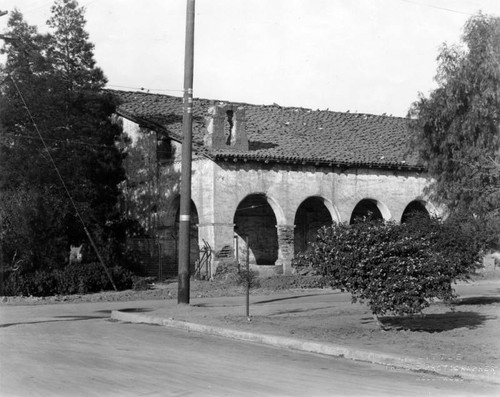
column 397, row 268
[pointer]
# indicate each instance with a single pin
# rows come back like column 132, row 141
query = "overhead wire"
column 36, row 6
column 437, row 7
column 145, row 88
column 71, row 141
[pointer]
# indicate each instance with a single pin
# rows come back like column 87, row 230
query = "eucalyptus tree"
column 457, row 128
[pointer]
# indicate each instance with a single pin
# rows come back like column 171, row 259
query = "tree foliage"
column 396, row 268
column 457, row 128
column 142, row 198
column 52, row 87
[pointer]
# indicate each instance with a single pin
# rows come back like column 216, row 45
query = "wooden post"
column 185, row 210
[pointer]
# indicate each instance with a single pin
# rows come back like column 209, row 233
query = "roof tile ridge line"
column 262, row 105
column 359, row 114
column 113, row 91
column 155, row 126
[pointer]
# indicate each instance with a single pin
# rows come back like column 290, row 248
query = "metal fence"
column 157, row 257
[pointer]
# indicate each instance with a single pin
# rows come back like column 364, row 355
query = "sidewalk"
column 460, row 341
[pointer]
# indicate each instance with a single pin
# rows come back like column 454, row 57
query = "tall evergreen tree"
column 52, row 81
column 457, row 128
column 70, row 51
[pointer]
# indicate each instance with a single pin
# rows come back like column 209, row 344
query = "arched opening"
column 311, row 215
column 255, row 222
column 415, row 208
column 366, row 209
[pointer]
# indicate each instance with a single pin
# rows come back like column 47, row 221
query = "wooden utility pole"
column 185, row 210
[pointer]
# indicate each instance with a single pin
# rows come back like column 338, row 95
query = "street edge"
column 324, row 348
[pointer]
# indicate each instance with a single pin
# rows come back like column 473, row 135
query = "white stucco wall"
column 218, row 189
column 287, row 187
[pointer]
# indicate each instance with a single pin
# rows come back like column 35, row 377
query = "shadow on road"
column 305, row 310
column 437, row 322
column 57, row 319
column 478, row 300
column 216, row 304
column 136, row 310
column 292, row 297
column 213, row 305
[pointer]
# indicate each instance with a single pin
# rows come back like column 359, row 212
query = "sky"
column 364, row 56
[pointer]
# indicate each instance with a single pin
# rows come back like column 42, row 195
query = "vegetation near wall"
column 396, row 268
column 61, row 166
column 76, row 278
column 456, row 129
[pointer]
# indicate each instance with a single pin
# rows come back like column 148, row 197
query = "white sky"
column 367, row 56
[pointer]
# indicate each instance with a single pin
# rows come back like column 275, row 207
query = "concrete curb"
column 330, row 349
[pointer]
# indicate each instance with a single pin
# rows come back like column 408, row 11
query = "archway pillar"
column 286, row 244
column 217, row 235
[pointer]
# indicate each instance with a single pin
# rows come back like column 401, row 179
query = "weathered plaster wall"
column 218, row 190
column 287, row 188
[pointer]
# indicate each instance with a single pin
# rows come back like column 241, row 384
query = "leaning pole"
column 187, row 132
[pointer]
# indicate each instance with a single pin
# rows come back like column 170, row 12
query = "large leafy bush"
column 396, row 268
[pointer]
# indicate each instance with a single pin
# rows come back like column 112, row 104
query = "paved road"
column 75, row 350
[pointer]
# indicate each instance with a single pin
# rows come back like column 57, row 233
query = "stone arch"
column 415, row 207
column 370, row 208
column 313, row 213
column 255, row 222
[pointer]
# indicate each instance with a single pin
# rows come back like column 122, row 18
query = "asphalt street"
column 75, row 350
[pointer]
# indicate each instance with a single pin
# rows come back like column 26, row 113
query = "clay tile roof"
column 284, row 134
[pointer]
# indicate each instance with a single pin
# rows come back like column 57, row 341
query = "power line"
column 59, row 140
column 437, row 7
column 144, row 88
column 33, row 7
column 64, row 185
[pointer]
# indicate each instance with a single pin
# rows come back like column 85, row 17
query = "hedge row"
column 73, row 279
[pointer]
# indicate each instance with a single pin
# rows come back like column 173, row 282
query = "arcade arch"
column 255, row 224
column 416, row 207
column 311, row 215
column 369, row 208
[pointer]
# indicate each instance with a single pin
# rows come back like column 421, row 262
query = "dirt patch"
column 465, row 337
